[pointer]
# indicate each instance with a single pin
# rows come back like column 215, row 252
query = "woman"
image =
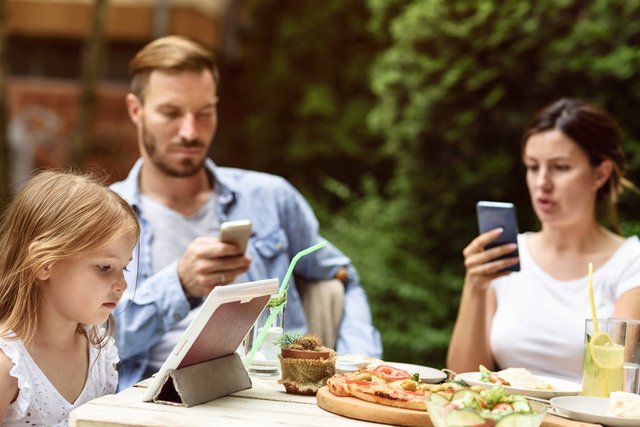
column 535, row 318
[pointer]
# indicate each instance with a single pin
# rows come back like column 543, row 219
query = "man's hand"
column 208, row 263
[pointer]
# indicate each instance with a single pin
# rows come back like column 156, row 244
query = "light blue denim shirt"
column 283, row 225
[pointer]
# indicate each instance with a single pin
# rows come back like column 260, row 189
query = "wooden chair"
column 322, row 301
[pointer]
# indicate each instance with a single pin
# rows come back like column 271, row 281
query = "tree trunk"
column 92, row 62
column 161, row 18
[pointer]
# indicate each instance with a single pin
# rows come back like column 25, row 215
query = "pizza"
column 386, row 385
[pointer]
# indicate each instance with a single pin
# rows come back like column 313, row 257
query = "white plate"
column 590, row 410
column 427, row 374
column 561, row 387
column 349, row 364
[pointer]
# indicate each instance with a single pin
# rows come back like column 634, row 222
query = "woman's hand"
column 470, row 344
column 482, row 265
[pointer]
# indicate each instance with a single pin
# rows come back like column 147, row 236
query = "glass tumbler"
column 265, row 360
column 631, row 368
column 604, row 357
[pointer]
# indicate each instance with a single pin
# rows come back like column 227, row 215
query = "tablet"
column 219, row 327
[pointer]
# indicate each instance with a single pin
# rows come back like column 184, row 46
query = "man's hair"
column 171, row 54
column 56, row 216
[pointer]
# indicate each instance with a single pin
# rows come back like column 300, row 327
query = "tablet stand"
column 202, row 382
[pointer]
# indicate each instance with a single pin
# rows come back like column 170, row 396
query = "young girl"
column 65, row 239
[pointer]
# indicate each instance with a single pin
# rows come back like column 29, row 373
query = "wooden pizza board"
column 368, row 411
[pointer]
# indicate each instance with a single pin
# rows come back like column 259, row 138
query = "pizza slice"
column 386, row 385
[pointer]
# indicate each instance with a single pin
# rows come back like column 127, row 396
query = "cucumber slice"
column 519, row 420
column 439, row 399
column 460, row 394
column 462, row 418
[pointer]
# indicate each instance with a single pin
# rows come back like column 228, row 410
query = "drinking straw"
column 278, row 301
column 593, row 304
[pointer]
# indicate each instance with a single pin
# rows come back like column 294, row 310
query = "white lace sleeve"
column 18, row 409
column 111, row 358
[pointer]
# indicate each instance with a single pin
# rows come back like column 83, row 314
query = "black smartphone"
column 493, row 215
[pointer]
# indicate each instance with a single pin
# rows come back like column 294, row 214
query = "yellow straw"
column 593, row 303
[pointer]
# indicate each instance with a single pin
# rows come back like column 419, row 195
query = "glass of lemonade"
column 604, row 357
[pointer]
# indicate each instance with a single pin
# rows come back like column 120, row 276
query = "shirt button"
column 278, row 245
column 177, row 317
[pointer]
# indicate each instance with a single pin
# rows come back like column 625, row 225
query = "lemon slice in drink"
column 605, row 353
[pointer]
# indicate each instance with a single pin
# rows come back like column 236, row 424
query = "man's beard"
column 186, row 168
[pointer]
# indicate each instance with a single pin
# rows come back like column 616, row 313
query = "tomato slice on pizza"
column 389, row 373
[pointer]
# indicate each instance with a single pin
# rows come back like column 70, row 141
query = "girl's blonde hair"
column 56, row 216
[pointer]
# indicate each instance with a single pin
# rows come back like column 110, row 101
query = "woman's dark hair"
column 599, row 136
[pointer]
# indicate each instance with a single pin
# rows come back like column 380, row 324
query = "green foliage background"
column 395, row 116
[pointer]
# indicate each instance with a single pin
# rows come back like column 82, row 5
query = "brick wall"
column 41, row 121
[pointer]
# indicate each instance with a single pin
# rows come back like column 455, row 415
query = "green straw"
column 279, row 300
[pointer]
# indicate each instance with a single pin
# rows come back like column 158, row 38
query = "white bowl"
column 344, row 365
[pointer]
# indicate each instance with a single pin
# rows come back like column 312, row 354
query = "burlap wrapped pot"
column 306, row 373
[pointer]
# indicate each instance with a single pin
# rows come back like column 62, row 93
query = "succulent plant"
column 295, row 341
column 308, row 342
column 287, row 339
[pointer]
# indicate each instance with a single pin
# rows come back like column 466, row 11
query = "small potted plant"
column 306, row 363
column 307, row 346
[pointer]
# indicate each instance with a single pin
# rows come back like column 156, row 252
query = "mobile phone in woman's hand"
column 492, row 215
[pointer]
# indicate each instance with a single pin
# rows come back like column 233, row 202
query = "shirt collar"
column 224, row 190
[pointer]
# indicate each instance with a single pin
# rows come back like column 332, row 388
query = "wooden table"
column 266, row 404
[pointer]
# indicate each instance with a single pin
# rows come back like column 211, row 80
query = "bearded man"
column 182, row 197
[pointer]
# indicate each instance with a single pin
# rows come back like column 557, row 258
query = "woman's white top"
column 39, row 403
column 539, row 321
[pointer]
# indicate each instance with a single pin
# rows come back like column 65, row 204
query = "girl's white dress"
column 39, row 403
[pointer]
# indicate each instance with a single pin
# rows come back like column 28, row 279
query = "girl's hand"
column 482, row 265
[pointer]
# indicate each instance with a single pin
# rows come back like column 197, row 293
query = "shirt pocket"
column 272, row 244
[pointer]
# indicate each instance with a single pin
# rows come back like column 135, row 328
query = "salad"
column 486, row 408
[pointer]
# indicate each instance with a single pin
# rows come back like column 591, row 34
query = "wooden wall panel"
column 127, row 21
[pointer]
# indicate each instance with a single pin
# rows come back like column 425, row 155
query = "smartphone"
column 236, row 232
column 493, row 215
